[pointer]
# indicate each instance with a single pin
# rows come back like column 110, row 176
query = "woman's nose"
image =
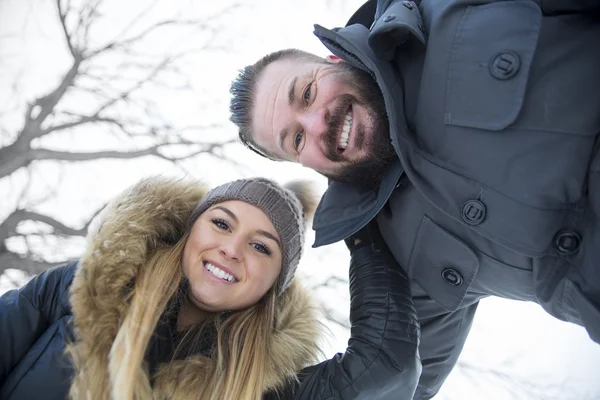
column 232, row 249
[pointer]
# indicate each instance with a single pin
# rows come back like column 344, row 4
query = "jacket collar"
column 344, row 208
column 384, row 16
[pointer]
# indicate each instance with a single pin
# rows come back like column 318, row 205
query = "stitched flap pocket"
column 442, row 264
column 489, row 65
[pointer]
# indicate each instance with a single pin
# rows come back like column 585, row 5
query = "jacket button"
column 389, row 18
column 473, row 212
column 505, row 65
column 407, row 4
column 567, row 242
column 452, row 277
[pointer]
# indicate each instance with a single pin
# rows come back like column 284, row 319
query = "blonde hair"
column 237, row 369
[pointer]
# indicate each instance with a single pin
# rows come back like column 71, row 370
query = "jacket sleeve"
column 381, row 361
column 27, row 312
column 443, row 336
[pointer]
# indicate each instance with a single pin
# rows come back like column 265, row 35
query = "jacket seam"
column 66, row 291
column 379, row 348
column 32, row 306
column 437, row 376
column 451, row 169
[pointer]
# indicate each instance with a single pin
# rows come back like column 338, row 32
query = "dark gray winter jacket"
column 494, row 111
column 35, row 325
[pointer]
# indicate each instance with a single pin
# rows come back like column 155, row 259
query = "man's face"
column 328, row 116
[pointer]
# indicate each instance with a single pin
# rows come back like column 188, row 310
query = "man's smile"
column 346, row 128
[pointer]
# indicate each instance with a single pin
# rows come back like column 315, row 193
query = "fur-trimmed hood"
column 154, row 211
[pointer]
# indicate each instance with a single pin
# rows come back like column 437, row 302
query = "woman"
column 183, row 294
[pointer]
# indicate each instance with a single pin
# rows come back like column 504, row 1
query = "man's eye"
column 306, row 94
column 298, row 140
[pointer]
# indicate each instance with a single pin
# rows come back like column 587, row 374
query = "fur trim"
column 155, row 211
column 294, row 344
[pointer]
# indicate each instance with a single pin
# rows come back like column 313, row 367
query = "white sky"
column 511, row 337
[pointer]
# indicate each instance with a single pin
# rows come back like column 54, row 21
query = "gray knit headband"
column 279, row 204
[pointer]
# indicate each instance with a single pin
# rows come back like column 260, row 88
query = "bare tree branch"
column 115, row 79
column 45, row 106
column 116, row 45
column 12, row 159
column 9, row 260
column 35, row 115
column 8, row 228
column 43, row 154
column 83, row 120
column 62, row 15
column 141, row 82
column 58, row 227
column 87, row 16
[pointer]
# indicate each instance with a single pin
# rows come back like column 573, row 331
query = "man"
column 470, row 130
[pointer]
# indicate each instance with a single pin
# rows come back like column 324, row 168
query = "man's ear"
column 333, row 59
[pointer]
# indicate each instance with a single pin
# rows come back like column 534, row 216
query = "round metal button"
column 567, row 242
column 473, row 212
column 388, row 18
column 452, row 277
column 505, row 65
column 407, row 4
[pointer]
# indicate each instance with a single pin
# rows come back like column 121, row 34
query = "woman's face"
column 232, row 257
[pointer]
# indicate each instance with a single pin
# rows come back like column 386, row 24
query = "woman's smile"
column 219, row 273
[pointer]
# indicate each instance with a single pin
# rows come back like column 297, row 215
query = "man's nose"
column 314, row 122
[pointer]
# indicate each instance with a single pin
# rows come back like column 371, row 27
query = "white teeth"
column 219, row 273
column 345, row 131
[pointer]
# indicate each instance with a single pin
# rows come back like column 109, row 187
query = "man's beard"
column 380, row 153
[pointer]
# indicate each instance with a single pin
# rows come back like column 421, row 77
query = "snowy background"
column 514, row 351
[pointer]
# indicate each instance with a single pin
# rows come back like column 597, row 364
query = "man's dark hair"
column 243, row 89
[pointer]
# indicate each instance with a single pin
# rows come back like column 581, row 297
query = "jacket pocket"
column 489, row 64
column 442, row 265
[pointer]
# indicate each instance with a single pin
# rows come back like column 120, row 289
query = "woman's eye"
column 298, row 140
column 261, row 248
column 219, row 223
column 307, row 94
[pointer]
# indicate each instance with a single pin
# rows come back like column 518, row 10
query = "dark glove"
column 369, row 235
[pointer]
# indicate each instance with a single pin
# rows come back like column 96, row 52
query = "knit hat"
column 287, row 207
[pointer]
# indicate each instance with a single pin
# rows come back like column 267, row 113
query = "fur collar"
column 155, row 210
